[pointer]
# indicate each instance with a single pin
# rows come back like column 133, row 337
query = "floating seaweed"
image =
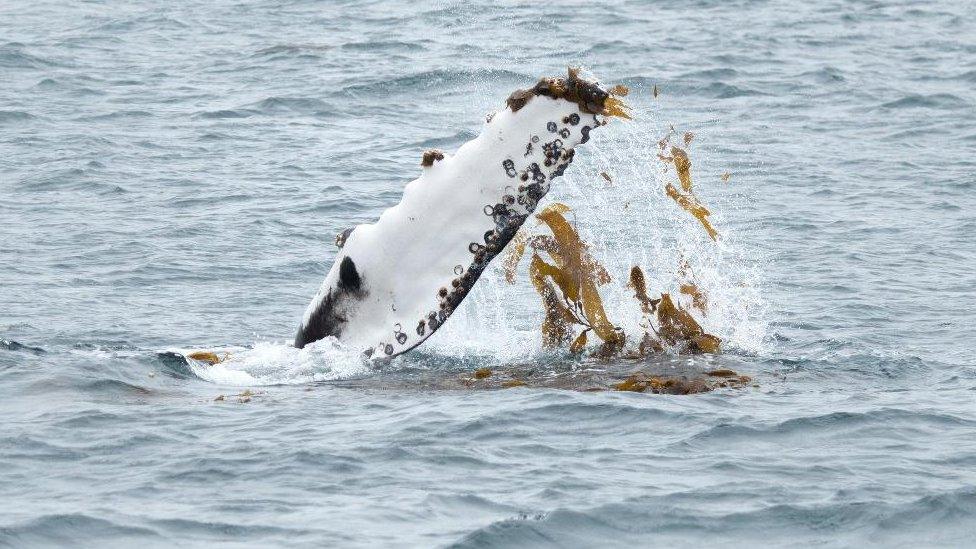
column 640, row 382
column 208, row 357
column 620, row 90
column 687, row 200
column 625, row 374
column 683, row 165
column 697, row 296
column 690, row 204
column 577, row 274
column 690, row 288
column 679, row 329
column 637, row 282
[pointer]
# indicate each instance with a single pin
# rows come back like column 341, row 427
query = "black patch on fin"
column 328, row 318
column 348, row 276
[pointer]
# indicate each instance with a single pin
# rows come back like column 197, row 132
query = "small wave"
column 832, row 423
column 114, row 387
column 155, row 22
column 302, row 105
column 721, row 90
column 117, row 115
column 67, row 529
column 711, row 74
column 433, row 78
column 825, row 75
column 934, row 101
column 968, row 76
column 13, row 56
column 384, row 45
column 222, row 530
column 15, row 116
column 939, row 519
column 226, row 113
column 446, row 142
column 285, row 50
column 612, row 47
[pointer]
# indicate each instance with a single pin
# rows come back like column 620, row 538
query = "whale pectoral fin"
column 398, row 280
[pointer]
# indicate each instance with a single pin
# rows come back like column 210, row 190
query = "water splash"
column 276, row 363
column 627, row 218
column 621, row 208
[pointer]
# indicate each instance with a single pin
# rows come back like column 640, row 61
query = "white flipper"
column 396, row 281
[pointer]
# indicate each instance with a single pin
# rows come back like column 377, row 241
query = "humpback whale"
column 397, row 281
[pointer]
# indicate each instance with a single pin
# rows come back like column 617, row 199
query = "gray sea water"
column 172, row 176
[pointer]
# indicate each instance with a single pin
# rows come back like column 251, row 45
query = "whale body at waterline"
column 397, row 281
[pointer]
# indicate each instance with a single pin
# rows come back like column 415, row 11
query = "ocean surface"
column 172, row 176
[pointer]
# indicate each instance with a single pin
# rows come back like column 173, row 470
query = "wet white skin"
column 425, row 242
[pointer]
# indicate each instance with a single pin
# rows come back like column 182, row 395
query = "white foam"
column 275, row 363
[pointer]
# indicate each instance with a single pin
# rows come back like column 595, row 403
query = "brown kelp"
column 568, row 285
column 686, row 196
